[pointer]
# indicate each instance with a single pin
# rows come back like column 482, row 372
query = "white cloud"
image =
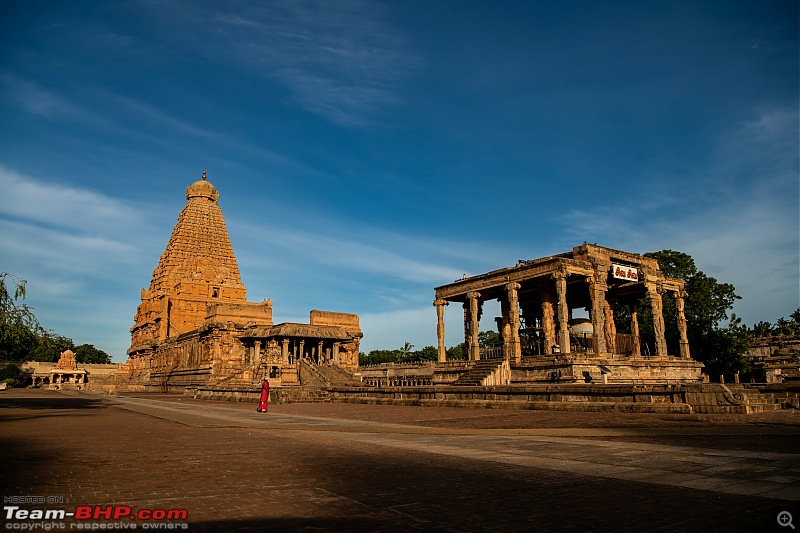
column 85, row 256
column 396, row 257
column 60, row 206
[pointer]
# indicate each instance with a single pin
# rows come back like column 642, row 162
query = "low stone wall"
column 276, row 395
column 690, row 398
column 678, row 398
column 784, row 394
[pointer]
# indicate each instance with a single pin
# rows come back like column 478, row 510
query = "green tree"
column 376, row 357
column 720, row 347
column 88, row 354
column 428, row 353
column 487, row 339
column 455, row 352
column 762, row 329
column 49, row 347
column 19, row 329
column 10, row 374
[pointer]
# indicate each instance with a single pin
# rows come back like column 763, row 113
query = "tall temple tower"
column 197, row 270
column 195, row 326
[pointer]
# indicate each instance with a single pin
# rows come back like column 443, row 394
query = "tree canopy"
column 19, row 329
column 782, row 326
column 718, row 345
column 405, row 354
column 23, row 338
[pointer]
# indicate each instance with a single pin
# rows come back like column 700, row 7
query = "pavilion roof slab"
column 497, row 279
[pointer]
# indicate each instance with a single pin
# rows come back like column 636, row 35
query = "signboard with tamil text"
column 624, row 272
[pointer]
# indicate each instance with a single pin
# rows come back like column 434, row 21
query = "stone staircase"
column 300, row 395
column 481, row 370
column 326, row 375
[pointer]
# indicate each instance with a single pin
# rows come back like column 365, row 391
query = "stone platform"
column 627, row 398
column 340, row 467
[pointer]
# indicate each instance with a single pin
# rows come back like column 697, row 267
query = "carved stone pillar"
column 513, row 351
column 285, row 351
column 597, row 293
column 474, row 324
column 302, row 349
column 654, row 296
column 682, row 330
column 257, row 352
column 610, row 328
column 563, row 311
column 467, row 335
column 548, row 321
column 335, row 352
column 442, row 351
column 320, row 353
column 505, row 325
column 637, row 343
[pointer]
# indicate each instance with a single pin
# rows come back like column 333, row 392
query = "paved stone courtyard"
column 340, row 467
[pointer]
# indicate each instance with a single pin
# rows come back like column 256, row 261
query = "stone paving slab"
column 236, row 470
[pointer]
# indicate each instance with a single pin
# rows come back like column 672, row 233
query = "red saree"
column 263, row 402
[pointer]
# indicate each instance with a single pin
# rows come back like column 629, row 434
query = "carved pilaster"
column 563, row 311
column 597, row 293
column 467, row 334
column 285, row 351
column 637, row 343
column 442, row 351
column 474, row 323
column 682, row 328
column 512, row 349
column 548, row 320
column 654, row 297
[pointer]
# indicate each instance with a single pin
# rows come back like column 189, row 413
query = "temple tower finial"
column 204, row 173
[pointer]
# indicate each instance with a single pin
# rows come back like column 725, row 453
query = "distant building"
column 67, row 375
column 195, row 326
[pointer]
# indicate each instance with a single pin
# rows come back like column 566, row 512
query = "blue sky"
column 366, row 152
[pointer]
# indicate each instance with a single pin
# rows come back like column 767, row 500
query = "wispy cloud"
column 79, row 250
column 341, row 60
column 37, row 99
column 351, row 254
column 60, row 206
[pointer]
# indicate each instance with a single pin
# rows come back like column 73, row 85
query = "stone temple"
column 195, row 326
column 570, row 331
column 543, row 342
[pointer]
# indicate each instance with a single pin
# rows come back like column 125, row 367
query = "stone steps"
column 300, row 395
column 479, row 372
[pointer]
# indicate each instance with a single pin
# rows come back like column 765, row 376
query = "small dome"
column 202, row 189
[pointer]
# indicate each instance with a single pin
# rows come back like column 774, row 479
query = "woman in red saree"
column 263, row 402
